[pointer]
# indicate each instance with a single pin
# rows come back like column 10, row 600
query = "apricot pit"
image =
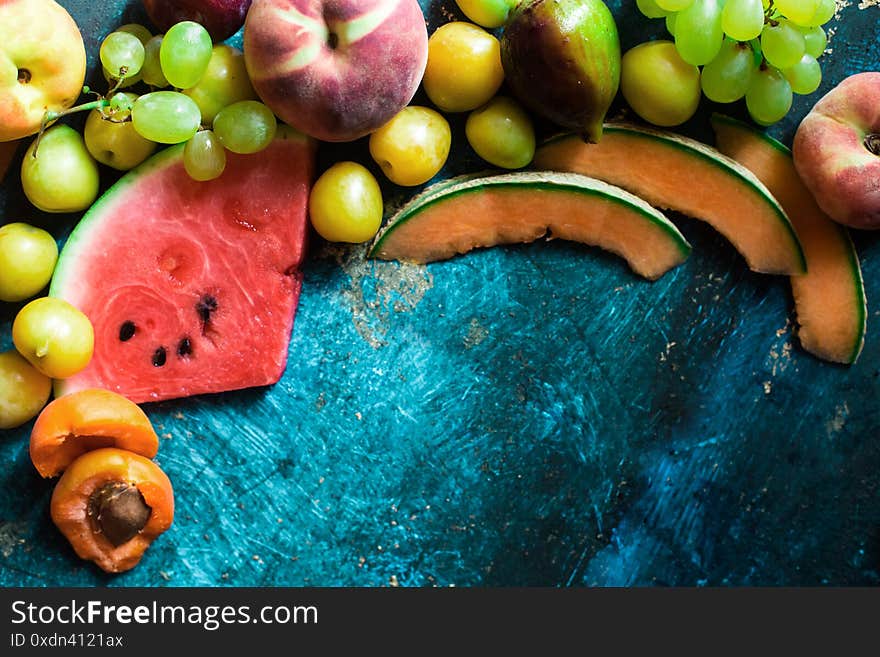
column 118, row 511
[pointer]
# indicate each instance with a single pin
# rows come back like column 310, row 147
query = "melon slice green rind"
column 673, row 172
column 435, row 189
column 830, row 298
column 457, row 216
column 209, row 273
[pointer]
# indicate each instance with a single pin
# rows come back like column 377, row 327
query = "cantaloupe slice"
column 830, row 298
column 456, row 216
column 676, row 173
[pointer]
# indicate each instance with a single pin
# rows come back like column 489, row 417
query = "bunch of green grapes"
column 760, row 50
column 199, row 94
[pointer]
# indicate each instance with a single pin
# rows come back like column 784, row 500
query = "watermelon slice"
column 191, row 286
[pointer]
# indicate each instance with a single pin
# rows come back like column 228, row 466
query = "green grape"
column 166, row 117
column 141, row 32
column 122, row 54
column 204, row 157
column 825, row 11
column 805, row 76
column 185, row 53
column 650, row 9
column 782, row 44
column 814, row 40
column 727, row 77
column 120, row 105
column 799, row 12
column 225, row 82
column 670, row 24
column 769, row 96
column 152, row 69
column 698, row 32
column 674, row 5
column 247, row 126
column 743, row 20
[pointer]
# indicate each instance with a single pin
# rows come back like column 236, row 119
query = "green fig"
column 562, row 59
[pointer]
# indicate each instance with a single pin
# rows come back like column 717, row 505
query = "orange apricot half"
column 111, row 504
column 82, row 421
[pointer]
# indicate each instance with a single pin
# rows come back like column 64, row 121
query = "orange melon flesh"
column 455, row 217
column 830, row 298
column 676, row 173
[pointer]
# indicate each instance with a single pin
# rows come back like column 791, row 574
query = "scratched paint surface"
column 529, row 415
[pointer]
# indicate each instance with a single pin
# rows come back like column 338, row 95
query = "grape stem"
column 768, row 15
column 101, row 103
column 115, row 87
column 872, row 143
column 50, row 117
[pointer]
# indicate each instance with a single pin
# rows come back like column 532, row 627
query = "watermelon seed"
column 184, row 348
column 159, row 357
column 126, row 331
column 206, row 305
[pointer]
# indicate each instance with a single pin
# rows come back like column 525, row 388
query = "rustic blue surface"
column 531, row 415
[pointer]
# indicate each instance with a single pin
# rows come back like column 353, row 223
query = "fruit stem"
column 771, row 15
column 119, row 82
column 51, row 117
column 872, row 143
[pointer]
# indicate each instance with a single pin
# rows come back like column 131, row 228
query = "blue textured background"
column 530, row 415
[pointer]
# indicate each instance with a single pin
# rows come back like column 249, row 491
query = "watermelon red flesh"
column 206, row 273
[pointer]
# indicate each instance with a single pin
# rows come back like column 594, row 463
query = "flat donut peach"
column 837, row 151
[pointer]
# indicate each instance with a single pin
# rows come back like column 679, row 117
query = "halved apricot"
column 86, row 420
column 111, row 504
